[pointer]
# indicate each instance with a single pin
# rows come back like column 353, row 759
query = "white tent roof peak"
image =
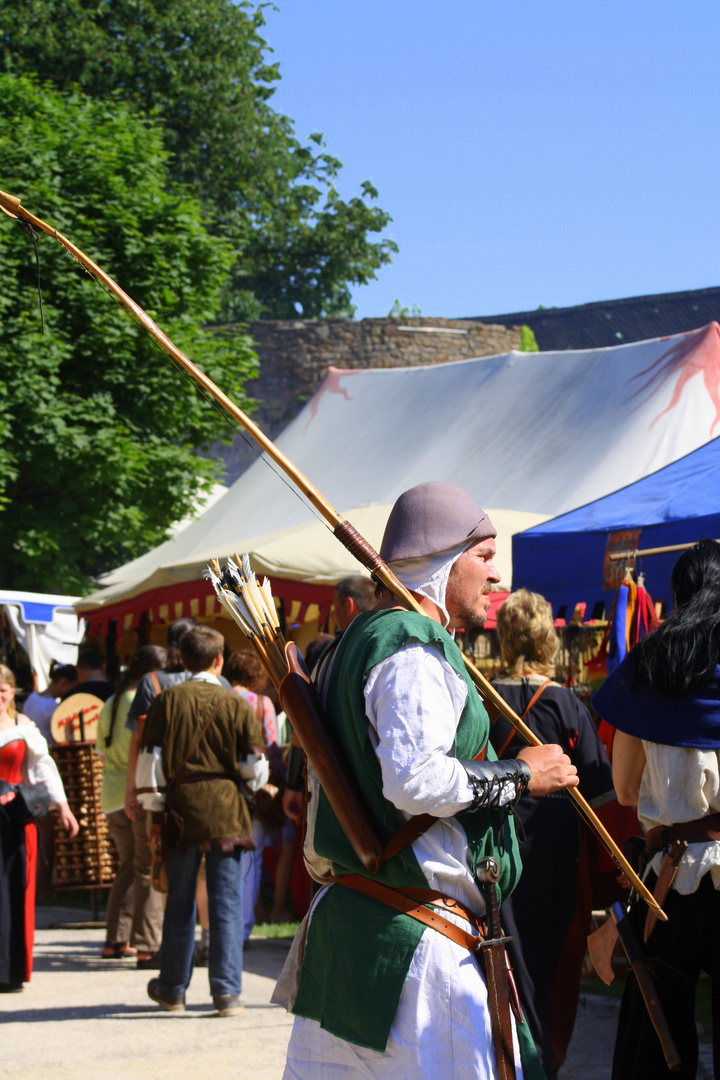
column 540, row 433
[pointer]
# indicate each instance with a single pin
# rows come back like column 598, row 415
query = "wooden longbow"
column 343, row 530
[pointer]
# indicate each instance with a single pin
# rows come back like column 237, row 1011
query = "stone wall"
column 295, row 354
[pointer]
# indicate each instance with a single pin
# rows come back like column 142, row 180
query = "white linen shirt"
column 682, row 784
column 413, row 702
column 37, row 767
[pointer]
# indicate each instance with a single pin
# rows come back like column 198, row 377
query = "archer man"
column 375, row 991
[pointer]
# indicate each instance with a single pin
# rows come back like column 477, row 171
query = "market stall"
column 37, row 628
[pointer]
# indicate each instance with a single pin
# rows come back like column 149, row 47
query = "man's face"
column 469, row 583
column 342, row 611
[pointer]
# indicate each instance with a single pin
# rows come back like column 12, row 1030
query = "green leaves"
column 99, row 431
column 201, row 68
column 153, row 145
column 527, row 340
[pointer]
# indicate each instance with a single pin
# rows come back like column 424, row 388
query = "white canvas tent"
column 303, row 561
column 311, row 553
column 538, row 433
column 46, row 627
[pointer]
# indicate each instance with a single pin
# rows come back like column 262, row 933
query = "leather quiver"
column 303, row 706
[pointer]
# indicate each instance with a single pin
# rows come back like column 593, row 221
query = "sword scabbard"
column 645, row 982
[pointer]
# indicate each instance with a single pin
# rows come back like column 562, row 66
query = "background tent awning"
column 564, row 558
column 539, row 433
column 304, row 564
column 46, row 626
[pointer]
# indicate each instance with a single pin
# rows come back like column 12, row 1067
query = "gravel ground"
column 130, row 1038
column 84, row 1017
column 591, row 1050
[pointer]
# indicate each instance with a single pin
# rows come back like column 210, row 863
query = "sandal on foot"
column 118, row 950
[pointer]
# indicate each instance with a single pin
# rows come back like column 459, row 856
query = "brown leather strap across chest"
column 414, row 828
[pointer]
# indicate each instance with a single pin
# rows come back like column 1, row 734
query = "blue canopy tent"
column 565, row 558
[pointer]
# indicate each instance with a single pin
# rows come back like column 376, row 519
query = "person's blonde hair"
column 528, row 642
column 6, row 675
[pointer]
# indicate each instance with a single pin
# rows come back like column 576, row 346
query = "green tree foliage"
column 201, row 66
column 401, row 311
column 528, row 342
column 99, row 431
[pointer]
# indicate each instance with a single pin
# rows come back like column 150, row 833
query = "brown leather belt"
column 502, row 994
column 662, row 837
column 195, row 778
column 227, row 843
column 412, row 902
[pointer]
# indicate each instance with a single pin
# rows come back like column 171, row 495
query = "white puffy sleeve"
column 413, row 701
column 38, row 766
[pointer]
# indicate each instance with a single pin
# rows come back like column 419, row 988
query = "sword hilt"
column 487, row 875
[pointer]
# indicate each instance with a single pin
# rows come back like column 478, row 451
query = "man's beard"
column 471, row 618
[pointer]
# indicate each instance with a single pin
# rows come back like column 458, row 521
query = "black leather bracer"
column 489, row 781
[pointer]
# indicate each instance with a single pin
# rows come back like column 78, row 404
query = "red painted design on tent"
column 330, row 385
column 695, row 353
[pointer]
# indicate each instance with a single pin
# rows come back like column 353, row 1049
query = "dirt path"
column 84, row 1018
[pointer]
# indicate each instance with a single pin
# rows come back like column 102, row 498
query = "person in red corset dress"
column 24, row 758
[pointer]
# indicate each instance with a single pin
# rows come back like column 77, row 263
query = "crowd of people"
column 136, row 910
column 399, row 969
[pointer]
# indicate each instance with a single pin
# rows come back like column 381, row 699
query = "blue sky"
column 528, row 153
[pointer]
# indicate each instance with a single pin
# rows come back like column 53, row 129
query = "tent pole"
column 639, row 553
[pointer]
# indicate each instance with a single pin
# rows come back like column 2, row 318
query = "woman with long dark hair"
column 664, row 700
column 134, row 909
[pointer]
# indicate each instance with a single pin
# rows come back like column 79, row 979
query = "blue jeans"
column 224, row 885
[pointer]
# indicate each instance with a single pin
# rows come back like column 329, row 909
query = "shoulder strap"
column 323, row 665
column 528, row 707
column 536, row 695
column 260, row 708
column 414, row 828
column 196, row 742
column 407, row 834
column 141, row 719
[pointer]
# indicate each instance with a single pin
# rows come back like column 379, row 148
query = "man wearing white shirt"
column 378, row 993
column 39, row 706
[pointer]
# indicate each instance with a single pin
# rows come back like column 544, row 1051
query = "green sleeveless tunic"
column 358, row 950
